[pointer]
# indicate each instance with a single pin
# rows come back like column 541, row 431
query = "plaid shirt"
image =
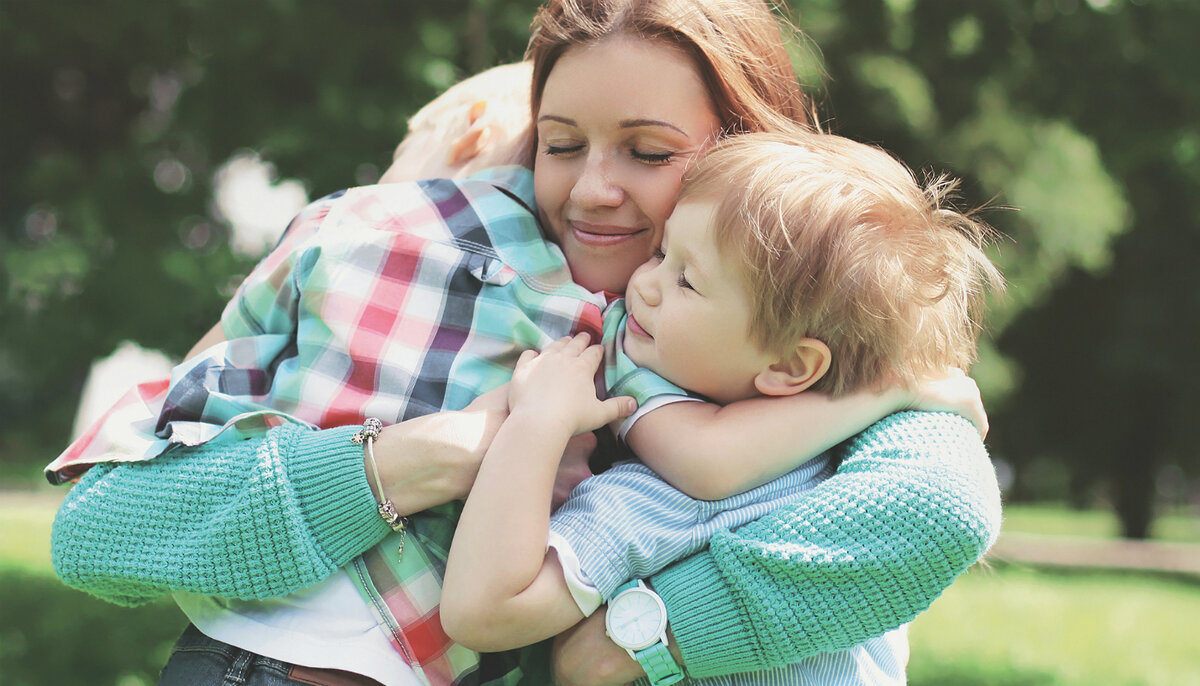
column 389, row 301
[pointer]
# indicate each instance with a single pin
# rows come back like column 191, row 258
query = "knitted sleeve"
column 913, row 504
column 247, row 519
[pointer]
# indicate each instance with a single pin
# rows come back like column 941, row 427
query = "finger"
column 593, row 355
column 557, row 344
column 618, row 408
column 527, row 356
column 579, row 342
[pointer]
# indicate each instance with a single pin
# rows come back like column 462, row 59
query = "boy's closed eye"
column 681, row 280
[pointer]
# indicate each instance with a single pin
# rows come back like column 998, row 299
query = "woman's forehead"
column 642, row 78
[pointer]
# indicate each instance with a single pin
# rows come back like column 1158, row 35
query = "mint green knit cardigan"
column 913, row 504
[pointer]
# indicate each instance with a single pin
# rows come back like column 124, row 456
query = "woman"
column 623, row 95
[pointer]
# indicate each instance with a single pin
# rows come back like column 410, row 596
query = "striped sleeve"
column 628, row 523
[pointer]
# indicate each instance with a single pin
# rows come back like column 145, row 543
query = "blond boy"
column 792, row 262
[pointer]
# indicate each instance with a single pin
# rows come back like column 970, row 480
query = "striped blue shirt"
column 648, row 524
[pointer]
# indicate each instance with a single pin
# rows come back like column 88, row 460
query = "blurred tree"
column 1082, row 116
column 1110, row 364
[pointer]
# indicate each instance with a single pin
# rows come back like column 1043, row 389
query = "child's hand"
column 558, row 384
column 955, row 392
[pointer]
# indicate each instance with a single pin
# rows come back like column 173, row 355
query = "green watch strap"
column 660, row 665
column 657, row 660
column 624, row 587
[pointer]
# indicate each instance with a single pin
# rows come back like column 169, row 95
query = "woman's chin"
column 607, row 276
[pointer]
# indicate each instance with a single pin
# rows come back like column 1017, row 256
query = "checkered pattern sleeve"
column 267, row 299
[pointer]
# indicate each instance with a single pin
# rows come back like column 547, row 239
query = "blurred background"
column 151, row 152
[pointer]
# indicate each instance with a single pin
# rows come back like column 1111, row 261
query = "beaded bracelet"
column 366, row 437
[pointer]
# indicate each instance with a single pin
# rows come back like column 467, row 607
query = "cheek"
column 549, row 190
column 655, row 194
column 658, row 198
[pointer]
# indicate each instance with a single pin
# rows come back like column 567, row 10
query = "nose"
column 645, row 282
column 596, row 186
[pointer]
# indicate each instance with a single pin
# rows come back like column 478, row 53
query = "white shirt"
column 327, row 625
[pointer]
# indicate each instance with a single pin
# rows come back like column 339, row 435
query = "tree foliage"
column 1080, row 115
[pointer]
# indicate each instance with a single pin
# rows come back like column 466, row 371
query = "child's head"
column 480, row 122
column 832, row 243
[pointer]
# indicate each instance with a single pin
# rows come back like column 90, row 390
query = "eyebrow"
column 624, row 124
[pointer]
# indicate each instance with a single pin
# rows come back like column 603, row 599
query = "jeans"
column 198, row 660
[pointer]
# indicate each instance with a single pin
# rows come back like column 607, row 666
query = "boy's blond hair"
column 842, row 244
column 494, row 104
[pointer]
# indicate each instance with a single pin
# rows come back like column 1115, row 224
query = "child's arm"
column 711, row 452
column 502, row 590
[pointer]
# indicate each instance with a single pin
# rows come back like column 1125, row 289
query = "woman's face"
column 618, row 122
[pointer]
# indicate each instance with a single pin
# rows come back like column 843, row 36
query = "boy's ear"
column 468, row 146
column 799, row 369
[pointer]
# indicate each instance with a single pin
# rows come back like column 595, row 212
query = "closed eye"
column 561, row 149
column 653, row 157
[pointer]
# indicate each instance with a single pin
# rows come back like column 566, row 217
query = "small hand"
column 558, row 384
column 954, row 392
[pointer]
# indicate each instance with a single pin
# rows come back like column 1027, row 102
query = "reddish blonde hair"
column 841, row 243
column 736, row 45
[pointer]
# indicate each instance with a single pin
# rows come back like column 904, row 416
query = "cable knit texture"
column 248, row 519
column 913, row 505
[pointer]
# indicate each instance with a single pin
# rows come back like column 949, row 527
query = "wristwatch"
column 637, row 621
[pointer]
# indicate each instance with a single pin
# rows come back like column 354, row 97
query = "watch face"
column 635, row 619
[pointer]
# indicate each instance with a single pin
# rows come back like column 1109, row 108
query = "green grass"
column 1020, row 627
column 51, row 634
column 1057, row 520
column 25, row 522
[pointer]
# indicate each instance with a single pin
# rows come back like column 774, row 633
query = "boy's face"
column 689, row 311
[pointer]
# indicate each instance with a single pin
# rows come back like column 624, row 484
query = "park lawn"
column 1059, row 520
column 1014, row 626
column 51, row 634
column 25, row 521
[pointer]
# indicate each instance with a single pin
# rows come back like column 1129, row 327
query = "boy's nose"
column 645, row 284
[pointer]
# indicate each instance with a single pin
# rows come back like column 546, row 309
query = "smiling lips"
column 635, row 327
column 603, row 235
